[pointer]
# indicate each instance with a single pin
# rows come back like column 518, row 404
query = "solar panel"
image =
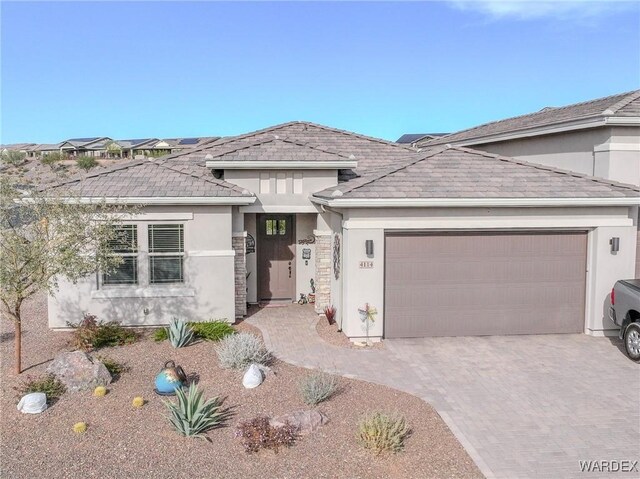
column 189, row 141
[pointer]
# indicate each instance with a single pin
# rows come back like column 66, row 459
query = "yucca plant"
column 180, row 334
column 191, row 416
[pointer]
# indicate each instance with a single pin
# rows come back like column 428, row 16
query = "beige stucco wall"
column 208, row 290
column 608, row 152
column 282, row 191
column 366, row 285
column 305, row 269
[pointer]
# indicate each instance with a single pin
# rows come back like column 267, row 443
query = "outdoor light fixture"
column 615, row 244
column 368, row 246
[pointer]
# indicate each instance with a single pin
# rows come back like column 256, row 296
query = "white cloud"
column 532, row 9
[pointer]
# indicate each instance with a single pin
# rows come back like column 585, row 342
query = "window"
column 166, row 253
column 276, row 227
column 125, row 245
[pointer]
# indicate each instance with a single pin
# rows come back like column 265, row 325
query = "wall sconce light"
column 368, row 246
column 615, row 244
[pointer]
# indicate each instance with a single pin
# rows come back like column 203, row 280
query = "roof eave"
column 165, row 200
column 279, row 165
column 471, row 202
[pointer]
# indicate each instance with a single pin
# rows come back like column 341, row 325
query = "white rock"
column 33, row 403
column 253, row 377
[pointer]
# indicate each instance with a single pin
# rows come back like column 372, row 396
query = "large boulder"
column 79, row 371
column 305, row 421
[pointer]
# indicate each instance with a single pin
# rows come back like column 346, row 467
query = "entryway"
column 276, row 257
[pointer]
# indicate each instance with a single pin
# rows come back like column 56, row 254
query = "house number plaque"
column 366, row 264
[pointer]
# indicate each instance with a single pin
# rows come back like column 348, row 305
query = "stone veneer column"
column 323, row 269
column 238, row 242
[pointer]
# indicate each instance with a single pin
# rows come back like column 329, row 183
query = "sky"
column 165, row 69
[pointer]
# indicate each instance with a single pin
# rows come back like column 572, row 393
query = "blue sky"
column 131, row 70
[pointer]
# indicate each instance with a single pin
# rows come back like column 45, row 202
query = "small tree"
column 13, row 157
column 51, row 159
column 86, row 162
column 114, row 150
column 45, row 238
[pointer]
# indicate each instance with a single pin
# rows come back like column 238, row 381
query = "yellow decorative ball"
column 138, row 401
column 100, row 391
column 79, row 427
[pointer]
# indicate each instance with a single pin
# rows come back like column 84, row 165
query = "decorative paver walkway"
column 522, row 406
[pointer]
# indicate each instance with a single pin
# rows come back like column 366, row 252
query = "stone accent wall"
column 240, row 268
column 323, row 271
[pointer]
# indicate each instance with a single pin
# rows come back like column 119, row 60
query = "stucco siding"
column 207, row 291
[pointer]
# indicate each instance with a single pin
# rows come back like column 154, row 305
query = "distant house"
column 598, row 137
column 140, row 146
column 413, row 138
column 38, row 150
column 176, row 145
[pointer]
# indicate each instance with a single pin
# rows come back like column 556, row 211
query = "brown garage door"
column 474, row 284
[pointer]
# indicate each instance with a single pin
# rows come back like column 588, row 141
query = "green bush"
column 212, row 330
column 92, row 334
column 48, row 384
column 191, row 416
column 50, row 159
column 86, row 162
column 318, row 387
column 258, row 433
column 383, row 433
column 114, row 367
column 205, row 330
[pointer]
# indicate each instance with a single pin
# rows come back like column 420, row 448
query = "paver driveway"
column 522, row 406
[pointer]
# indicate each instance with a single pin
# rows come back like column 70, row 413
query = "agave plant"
column 191, row 416
column 180, row 334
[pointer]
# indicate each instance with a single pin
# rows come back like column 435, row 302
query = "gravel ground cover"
column 330, row 334
column 122, row 441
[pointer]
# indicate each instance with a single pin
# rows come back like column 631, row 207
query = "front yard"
column 123, row 441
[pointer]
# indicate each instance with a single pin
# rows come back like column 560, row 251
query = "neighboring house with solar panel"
column 404, row 243
column 175, row 145
column 598, row 137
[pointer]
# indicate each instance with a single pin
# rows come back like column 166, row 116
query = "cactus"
column 191, row 416
column 180, row 334
column 79, row 427
column 100, row 391
column 138, row 401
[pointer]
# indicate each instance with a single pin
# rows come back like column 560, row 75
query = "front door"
column 276, row 262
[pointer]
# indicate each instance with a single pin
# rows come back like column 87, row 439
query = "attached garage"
column 484, row 283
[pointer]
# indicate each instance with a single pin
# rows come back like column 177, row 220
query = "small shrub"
column 330, row 313
column 191, row 416
column 160, row 334
column 50, row 159
column 258, row 433
column 205, row 330
column 92, row 334
column 100, row 391
column 383, row 433
column 318, row 387
column 237, row 351
column 48, row 384
column 114, row 367
column 212, row 330
column 180, row 334
column 138, row 401
column 80, row 427
column 86, row 162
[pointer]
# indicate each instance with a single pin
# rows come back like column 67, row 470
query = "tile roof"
column 368, row 151
column 621, row 105
column 151, row 178
column 409, row 138
column 274, row 148
column 458, row 172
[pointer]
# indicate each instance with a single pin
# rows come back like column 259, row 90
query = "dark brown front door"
column 276, row 262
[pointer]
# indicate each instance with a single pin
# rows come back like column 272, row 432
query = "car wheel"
column 632, row 341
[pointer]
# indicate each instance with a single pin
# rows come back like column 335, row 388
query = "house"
column 444, row 241
column 95, row 146
column 598, row 137
column 133, row 147
column 174, row 145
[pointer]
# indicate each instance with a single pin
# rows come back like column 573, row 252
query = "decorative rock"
column 305, row 421
column 79, row 371
column 253, row 377
column 33, row 403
